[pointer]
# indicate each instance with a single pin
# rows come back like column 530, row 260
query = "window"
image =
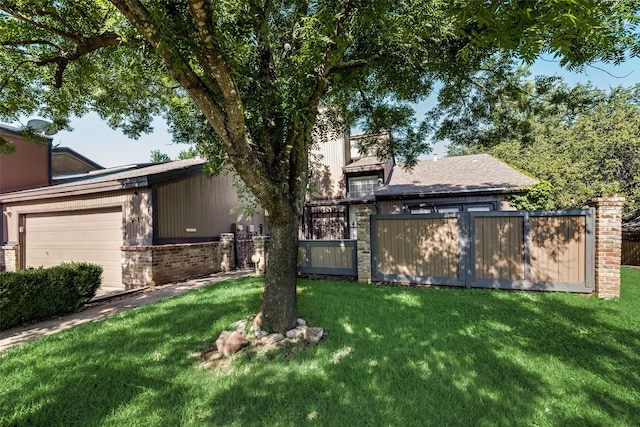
column 362, row 185
column 421, row 210
column 479, row 208
column 448, row 209
column 427, row 208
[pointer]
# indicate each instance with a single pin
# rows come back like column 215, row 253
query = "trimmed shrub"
column 35, row 294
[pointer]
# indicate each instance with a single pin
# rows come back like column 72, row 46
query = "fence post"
column 363, row 224
column 259, row 257
column 227, row 262
column 608, row 229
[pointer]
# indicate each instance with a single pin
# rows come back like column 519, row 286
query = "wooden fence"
column 332, row 257
column 630, row 252
column 509, row 250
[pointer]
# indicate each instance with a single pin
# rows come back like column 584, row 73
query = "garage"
column 93, row 236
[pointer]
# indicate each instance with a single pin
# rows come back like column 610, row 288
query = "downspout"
column 49, row 163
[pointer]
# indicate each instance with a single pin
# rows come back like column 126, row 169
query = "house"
column 453, row 184
column 145, row 224
column 14, row 175
column 155, row 223
column 65, row 161
column 346, row 183
column 342, row 182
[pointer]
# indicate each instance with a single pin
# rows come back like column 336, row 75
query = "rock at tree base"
column 231, row 342
column 306, row 333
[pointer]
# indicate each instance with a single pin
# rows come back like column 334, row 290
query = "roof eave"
column 52, row 192
column 427, row 194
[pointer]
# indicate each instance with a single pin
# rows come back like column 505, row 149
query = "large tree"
column 246, row 78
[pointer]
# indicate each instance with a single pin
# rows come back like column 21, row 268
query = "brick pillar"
column 137, row 266
column 608, row 229
column 363, row 224
column 227, row 254
column 260, row 254
column 10, row 255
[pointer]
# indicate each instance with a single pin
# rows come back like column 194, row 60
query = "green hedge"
column 44, row 292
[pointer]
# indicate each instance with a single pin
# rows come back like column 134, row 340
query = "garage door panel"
column 88, row 236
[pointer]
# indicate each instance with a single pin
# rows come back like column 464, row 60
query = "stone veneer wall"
column 260, row 254
column 157, row 265
column 363, row 223
column 8, row 258
column 608, row 251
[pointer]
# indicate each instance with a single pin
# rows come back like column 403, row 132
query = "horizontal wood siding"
column 332, row 257
column 416, row 247
column 499, row 250
column 558, row 249
column 631, row 252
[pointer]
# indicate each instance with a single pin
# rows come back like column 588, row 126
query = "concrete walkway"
column 100, row 308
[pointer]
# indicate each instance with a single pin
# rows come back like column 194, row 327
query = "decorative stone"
column 313, row 334
column 231, row 342
column 239, row 325
column 271, row 339
column 301, row 322
column 297, row 332
column 306, row 333
column 256, row 322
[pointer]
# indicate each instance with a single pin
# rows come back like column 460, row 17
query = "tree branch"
column 14, row 71
column 18, row 15
column 202, row 18
column 177, row 66
column 266, row 77
column 85, row 47
column 353, row 64
column 30, row 42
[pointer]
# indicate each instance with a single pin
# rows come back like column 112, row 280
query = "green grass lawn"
column 393, row 356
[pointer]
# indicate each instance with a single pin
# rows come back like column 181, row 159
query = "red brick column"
column 608, row 229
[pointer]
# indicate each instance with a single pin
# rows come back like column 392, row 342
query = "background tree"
column 246, row 78
column 159, row 157
column 581, row 140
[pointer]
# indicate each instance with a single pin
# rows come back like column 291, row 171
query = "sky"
column 94, row 139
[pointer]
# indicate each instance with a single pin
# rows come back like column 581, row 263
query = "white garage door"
column 87, row 236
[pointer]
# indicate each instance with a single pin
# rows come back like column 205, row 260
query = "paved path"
column 98, row 311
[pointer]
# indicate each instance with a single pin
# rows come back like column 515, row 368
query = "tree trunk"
column 279, row 306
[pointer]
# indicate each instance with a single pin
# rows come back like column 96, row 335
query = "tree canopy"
column 582, row 141
column 245, row 79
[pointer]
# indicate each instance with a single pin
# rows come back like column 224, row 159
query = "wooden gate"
column 507, row 250
column 330, row 257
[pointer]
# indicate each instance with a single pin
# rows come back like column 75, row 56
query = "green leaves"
column 371, row 60
column 584, row 142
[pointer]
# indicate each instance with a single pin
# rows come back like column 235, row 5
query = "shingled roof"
column 461, row 174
